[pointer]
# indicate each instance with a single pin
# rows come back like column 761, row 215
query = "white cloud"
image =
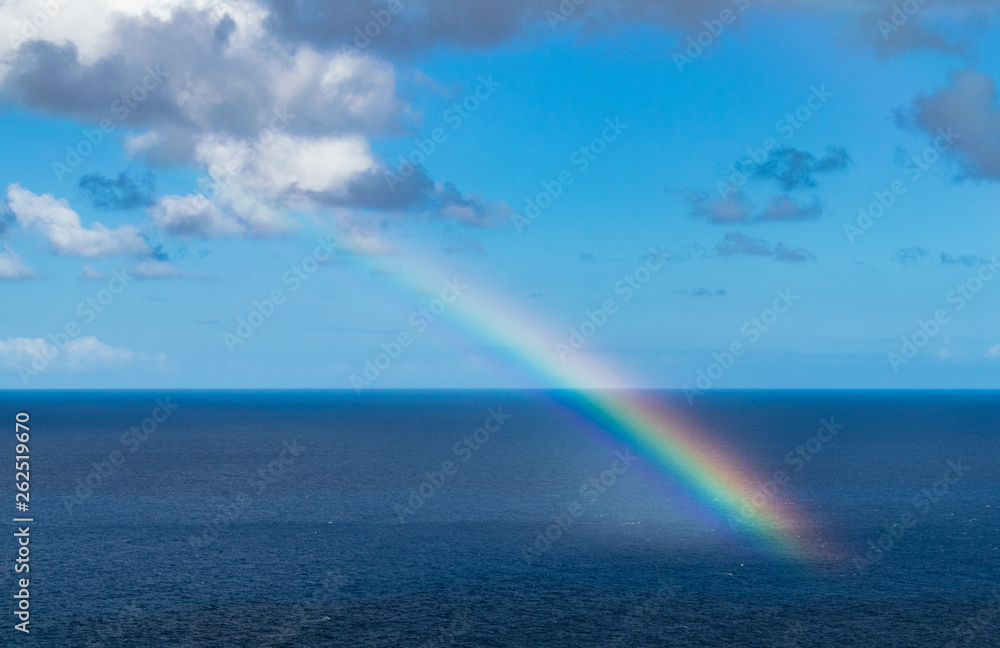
column 90, row 274
column 155, row 270
column 143, row 143
column 88, row 24
column 994, row 353
column 287, row 166
column 194, row 216
column 277, row 125
column 12, row 267
column 86, row 353
column 362, row 237
column 64, row 230
column 231, row 79
column 251, row 183
column 15, row 351
column 79, row 355
column 362, row 87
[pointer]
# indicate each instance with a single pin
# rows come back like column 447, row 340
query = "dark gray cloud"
column 421, row 25
column 449, row 203
column 130, row 190
column 49, row 77
column 966, row 107
column 738, row 244
column 417, row 194
column 369, row 190
column 793, row 169
column 736, row 207
column 224, row 29
column 891, row 34
column 782, row 209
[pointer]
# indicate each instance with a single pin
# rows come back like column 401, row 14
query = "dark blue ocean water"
column 290, row 519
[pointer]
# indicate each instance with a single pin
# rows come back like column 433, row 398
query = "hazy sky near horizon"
column 737, row 194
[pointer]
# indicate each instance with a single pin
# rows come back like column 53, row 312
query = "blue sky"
column 313, row 131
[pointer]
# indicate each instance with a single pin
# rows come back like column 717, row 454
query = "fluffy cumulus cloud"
column 194, row 216
column 968, row 107
column 58, row 223
column 78, row 355
column 252, row 183
column 276, row 101
column 275, row 123
column 12, row 267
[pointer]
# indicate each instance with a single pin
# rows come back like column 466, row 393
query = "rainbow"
column 608, row 400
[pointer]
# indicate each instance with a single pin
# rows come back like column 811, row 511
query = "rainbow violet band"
column 718, row 480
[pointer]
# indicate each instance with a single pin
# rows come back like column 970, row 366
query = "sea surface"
column 330, row 519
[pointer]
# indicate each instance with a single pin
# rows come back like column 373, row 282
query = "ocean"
column 501, row 519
